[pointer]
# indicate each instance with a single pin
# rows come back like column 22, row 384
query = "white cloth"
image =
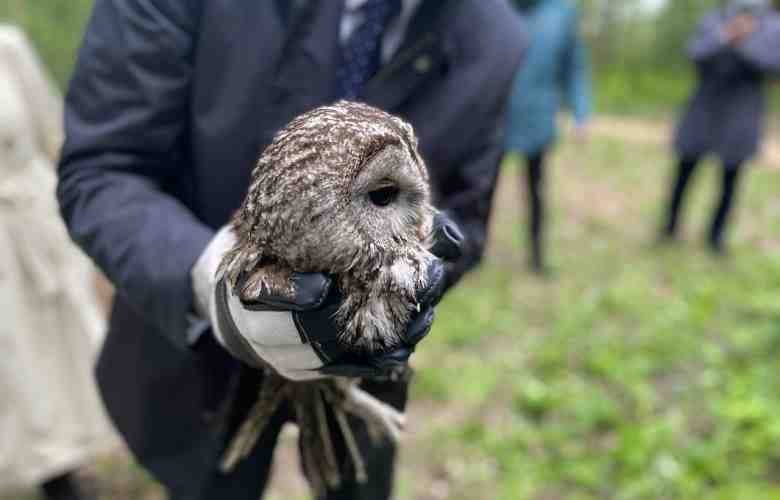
column 51, row 417
column 395, row 32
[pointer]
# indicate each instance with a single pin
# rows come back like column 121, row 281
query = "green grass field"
column 637, row 373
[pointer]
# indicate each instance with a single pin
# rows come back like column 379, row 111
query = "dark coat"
column 169, row 106
column 725, row 115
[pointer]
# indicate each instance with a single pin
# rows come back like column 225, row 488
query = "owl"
column 342, row 190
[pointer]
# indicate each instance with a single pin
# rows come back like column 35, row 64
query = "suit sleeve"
column 470, row 203
column 126, row 119
column 467, row 192
column 576, row 75
column 707, row 41
column 761, row 49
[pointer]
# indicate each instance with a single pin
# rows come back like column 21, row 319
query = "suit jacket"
column 169, row 106
column 725, row 115
column 554, row 70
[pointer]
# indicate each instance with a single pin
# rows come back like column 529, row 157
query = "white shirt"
column 393, row 36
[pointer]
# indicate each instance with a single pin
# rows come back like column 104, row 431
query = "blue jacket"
column 554, row 68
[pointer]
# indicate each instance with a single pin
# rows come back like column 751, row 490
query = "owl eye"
column 384, row 196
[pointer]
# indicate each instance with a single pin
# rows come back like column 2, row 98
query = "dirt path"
column 659, row 131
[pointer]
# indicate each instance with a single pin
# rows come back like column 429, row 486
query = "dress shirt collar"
column 355, row 5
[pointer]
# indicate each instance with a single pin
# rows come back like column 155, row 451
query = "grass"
column 638, row 373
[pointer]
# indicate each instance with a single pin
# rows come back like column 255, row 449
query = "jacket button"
column 423, row 64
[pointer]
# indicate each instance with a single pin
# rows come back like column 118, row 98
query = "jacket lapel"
column 425, row 55
column 306, row 69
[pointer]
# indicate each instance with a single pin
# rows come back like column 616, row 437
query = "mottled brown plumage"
column 343, row 190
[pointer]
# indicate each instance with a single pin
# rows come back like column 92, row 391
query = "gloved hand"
column 298, row 338
column 447, row 243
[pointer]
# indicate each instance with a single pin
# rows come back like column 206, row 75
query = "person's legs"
column 685, row 169
column 379, row 457
column 535, row 184
column 730, row 180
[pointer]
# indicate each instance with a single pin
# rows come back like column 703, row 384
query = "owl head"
column 341, row 189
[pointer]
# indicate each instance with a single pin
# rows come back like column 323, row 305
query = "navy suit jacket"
column 170, row 104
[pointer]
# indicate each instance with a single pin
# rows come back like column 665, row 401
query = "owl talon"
column 362, row 404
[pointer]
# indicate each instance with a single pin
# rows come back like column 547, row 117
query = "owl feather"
column 341, row 190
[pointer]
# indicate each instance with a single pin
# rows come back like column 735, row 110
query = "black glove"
column 447, row 243
column 261, row 333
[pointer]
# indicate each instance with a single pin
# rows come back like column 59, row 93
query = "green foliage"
column 672, row 27
column 639, row 66
column 642, row 91
column 639, row 57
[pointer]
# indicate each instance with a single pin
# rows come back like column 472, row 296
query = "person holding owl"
column 170, row 103
column 554, row 70
column 735, row 50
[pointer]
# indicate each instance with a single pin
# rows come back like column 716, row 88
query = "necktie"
column 362, row 53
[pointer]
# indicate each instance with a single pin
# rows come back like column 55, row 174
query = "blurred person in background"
column 555, row 69
column 51, row 418
column 735, row 48
column 170, row 104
